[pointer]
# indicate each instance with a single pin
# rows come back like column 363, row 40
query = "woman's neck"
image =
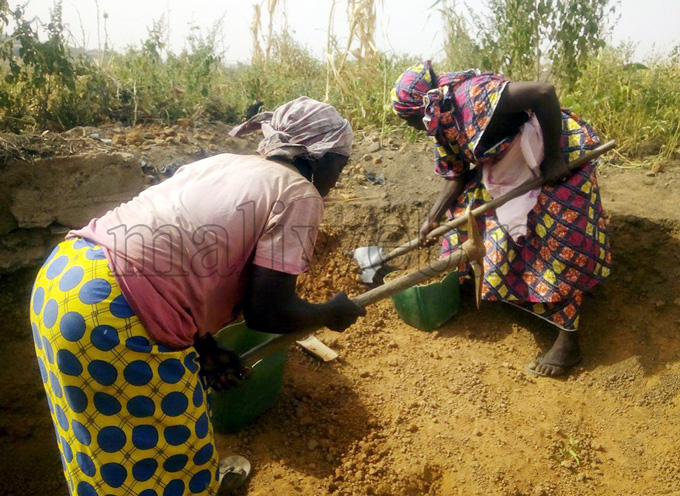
column 302, row 164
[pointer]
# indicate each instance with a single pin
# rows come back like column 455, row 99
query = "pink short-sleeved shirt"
column 181, row 250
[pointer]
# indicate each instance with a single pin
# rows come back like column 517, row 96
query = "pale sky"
column 404, row 26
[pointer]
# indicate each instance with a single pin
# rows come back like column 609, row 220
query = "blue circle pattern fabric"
column 130, row 416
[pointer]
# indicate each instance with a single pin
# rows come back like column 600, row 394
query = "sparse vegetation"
column 568, row 453
column 46, row 83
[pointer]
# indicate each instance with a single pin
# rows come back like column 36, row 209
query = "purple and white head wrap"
column 300, row 127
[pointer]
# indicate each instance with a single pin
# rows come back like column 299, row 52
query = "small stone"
column 597, row 446
column 377, row 160
column 375, row 147
column 312, row 445
column 660, row 304
column 677, row 302
column 413, row 428
column 307, row 420
column 367, row 158
column 476, row 432
column 118, row 139
column 134, row 138
column 539, row 491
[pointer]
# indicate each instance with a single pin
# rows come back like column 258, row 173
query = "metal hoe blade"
column 369, row 259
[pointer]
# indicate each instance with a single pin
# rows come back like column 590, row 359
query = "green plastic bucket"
column 429, row 306
column 234, row 409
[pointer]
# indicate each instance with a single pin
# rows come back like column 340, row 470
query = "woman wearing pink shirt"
column 124, row 310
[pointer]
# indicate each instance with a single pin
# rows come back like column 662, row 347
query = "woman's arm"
column 272, row 306
column 542, row 100
column 450, row 190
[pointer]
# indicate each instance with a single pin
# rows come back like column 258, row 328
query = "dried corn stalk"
column 362, row 17
column 362, row 20
column 330, row 42
column 255, row 28
column 260, row 55
column 271, row 7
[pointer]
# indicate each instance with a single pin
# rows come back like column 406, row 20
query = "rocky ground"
column 401, row 412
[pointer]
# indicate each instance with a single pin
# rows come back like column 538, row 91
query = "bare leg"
column 564, row 354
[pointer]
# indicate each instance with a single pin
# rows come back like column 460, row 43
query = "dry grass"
column 634, row 104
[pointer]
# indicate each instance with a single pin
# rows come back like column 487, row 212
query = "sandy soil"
column 403, row 412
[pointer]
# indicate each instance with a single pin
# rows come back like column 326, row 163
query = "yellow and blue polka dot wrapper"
column 130, row 415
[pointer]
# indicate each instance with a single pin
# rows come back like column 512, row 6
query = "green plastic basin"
column 429, row 306
column 234, row 409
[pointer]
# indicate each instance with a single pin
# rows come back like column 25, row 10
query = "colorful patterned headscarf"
column 410, row 89
column 300, row 127
column 413, row 91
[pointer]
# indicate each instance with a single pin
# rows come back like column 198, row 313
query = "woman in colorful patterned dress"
column 123, row 311
column 480, row 124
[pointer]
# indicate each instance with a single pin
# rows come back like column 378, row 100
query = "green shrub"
column 43, row 84
column 638, row 105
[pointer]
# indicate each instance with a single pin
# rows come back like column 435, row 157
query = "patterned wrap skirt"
column 566, row 251
column 130, row 416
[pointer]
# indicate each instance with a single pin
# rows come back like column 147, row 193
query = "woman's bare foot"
column 564, row 354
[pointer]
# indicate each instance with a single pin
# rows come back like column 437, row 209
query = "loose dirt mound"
column 332, row 271
column 403, row 412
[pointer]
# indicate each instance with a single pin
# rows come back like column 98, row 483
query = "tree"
column 528, row 39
